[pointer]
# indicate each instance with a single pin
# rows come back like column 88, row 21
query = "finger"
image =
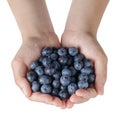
column 46, row 98
column 64, row 105
column 38, row 97
column 69, row 104
column 19, row 71
column 89, row 93
column 77, row 99
column 101, row 74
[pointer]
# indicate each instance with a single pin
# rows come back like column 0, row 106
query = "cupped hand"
column 28, row 52
column 92, row 50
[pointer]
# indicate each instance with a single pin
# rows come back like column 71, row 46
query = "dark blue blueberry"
column 73, row 79
column 83, row 84
column 55, row 92
column 65, row 80
column 46, row 61
column 73, row 70
column 34, row 64
column 41, row 59
column 78, row 65
column 35, row 86
column 57, row 75
column 78, row 58
column 39, row 70
column 44, row 79
column 47, row 51
column 63, row 87
column 62, row 52
column 56, row 65
column 46, row 89
column 65, row 67
column 87, row 63
column 50, row 70
column 83, row 77
column 91, row 78
column 54, row 56
column 63, row 94
column 63, row 60
column 70, row 60
column 72, row 87
column 87, row 70
column 56, row 83
column 72, row 51
column 31, row 76
column 55, row 50
column 66, row 72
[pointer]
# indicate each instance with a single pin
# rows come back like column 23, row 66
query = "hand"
column 89, row 46
column 28, row 52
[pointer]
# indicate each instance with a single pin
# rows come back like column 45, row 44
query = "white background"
column 15, row 106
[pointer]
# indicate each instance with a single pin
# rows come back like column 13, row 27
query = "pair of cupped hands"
column 30, row 51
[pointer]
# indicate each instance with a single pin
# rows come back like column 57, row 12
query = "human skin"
column 37, row 32
column 81, row 31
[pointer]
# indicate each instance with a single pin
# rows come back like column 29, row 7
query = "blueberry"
column 31, row 76
column 55, row 92
column 91, row 78
column 46, row 89
column 35, row 86
column 56, row 83
column 54, row 56
column 78, row 65
column 63, row 60
column 65, row 67
column 65, row 80
column 44, row 79
column 72, row 87
column 73, row 70
column 83, row 77
column 87, row 70
column 57, row 75
column 63, row 94
column 72, row 51
column 78, row 57
column 34, row 64
column 47, row 51
column 70, row 60
column 83, row 84
column 39, row 70
column 73, row 79
column 87, row 63
column 50, row 70
column 62, row 51
column 56, row 65
column 46, row 61
column 63, row 87
column 66, row 72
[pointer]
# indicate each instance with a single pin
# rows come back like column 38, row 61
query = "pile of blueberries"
column 60, row 72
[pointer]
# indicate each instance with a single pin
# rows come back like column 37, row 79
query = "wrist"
column 70, row 34
column 41, row 36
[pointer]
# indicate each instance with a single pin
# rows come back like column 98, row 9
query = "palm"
column 92, row 50
column 28, row 52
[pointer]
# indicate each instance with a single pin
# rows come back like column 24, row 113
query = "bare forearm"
column 32, row 16
column 85, row 15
